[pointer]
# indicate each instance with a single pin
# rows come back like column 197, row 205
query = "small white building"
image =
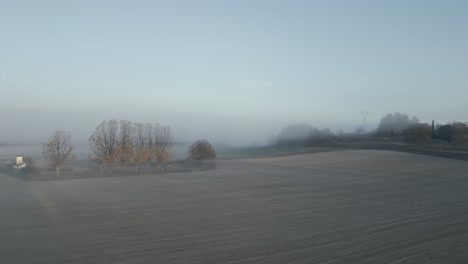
column 19, row 164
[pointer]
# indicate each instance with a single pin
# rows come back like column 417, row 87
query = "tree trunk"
column 57, row 169
column 102, row 170
column 433, row 130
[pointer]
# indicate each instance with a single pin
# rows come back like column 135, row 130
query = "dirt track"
column 332, row 207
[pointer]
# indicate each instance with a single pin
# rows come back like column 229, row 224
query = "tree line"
column 123, row 142
column 399, row 125
column 302, row 133
column 396, row 126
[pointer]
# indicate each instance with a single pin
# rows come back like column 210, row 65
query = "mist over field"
column 242, row 131
column 34, row 127
column 225, row 72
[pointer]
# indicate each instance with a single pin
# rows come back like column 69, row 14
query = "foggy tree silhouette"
column 201, row 150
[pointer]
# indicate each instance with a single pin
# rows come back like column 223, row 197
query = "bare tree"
column 163, row 144
column 124, row 151
column 152, row 142
column 139, row 144
column 130, row 141
column 98, row 150
column 150, row 145
column 104, row 143
column 58, row 149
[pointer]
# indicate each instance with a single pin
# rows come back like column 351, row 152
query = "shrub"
column 418, row 133
column 201, row 150
column 459, row 133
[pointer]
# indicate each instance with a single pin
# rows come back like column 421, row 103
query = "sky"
column 233, row 71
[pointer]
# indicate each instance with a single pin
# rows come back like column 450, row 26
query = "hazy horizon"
column 234, row 72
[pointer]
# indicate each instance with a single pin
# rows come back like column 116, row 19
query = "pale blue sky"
column 229, row 69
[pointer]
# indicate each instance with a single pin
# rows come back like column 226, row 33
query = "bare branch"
column 58, row 149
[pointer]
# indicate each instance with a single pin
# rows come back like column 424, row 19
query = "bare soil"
column 355, row 206
column 436, row 149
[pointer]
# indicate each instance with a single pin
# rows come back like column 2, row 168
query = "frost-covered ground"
column 332, row 207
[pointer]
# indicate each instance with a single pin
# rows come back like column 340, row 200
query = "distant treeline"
column 395, row 126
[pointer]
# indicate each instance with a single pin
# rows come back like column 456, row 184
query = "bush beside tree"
column 201, row 150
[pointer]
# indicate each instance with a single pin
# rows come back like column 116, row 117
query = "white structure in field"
column 19, row 162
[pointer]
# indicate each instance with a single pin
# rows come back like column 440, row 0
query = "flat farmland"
column 356, row 206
